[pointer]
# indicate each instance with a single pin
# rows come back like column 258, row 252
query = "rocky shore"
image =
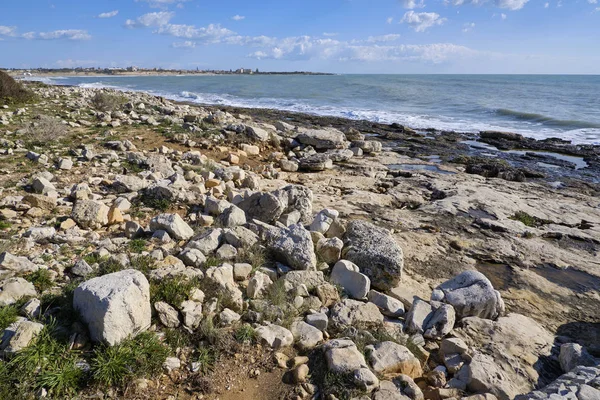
column 160, row 250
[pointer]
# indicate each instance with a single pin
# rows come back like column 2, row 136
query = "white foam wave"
column 415, row 121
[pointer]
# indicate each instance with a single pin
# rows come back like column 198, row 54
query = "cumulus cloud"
column 151, row 19
column 109, row 14
column 411, row 4
column 507, row 4
column 390, row 20
column 69, row 34
column 181, row 45
column 238, row 17
column 212, row 33
column 8, row 30
column 422, row 21
column 383, row 38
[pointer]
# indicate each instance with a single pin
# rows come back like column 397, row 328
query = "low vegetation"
column 44, row 129
column 108, row 101
column 13, row 92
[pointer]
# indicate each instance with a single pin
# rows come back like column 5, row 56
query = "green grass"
column 5, row 225
column 529, row 220
column 245, row 334
column 132, row 167
column 177, row 339
column 137, row 245
column 109, row 266
column 141, row 356
column 8, row 315
column 46, row 363
column 41, row 279
column 206, row 359
column 144, row 264
column 172, row 290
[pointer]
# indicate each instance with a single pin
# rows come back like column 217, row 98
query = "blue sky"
column 345, row 36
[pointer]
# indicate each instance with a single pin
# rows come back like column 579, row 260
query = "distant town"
column 148, row 71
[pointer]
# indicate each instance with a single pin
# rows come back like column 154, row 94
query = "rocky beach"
column 154, row 249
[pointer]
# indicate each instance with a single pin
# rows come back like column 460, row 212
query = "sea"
column 537, row 106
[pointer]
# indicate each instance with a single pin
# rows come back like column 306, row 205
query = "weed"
column 144, row 264
column 177, row 338
column 46, row 363
column 205, row 360
column 5, row 225
column 137, row 245
column 132, row 167
column 245, row 334
column 41, row 279
column 255, row 255
column 8, row 315
column 141, row 356
column 157, row 203
column 108, row 266
column 529, row 220
column 212, row 261
column 172, row 290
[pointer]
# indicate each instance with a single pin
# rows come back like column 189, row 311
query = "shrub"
column 12, row 91
column 8, row 315
column 44, row 129
column 107, row 101
column 137, row 245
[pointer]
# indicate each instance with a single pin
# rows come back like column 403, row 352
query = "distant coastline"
column 133, row 71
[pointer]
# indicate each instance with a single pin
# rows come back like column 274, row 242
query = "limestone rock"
column 11, row 265
column 573, row 355
column 390, row 357
column 23, row 336
column 343, row 357
column 275, row 336
column 347, row 275
column 168, row 315
column 258, row 285
column 307, row 336
column 355, row 313
column 323, row 139
column 14, row 289
column 375, row 252
column 90, row 213
column 388, row 305
column 114, row 306
column 294, row 246
column 173, row 224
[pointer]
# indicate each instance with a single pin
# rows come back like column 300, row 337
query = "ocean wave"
column 578, row 133
column 546, row 120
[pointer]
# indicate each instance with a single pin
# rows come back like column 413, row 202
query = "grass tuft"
column 245, row 334
column 41, row 279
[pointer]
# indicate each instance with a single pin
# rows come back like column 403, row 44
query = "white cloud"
column 108, row 14
column 593, row 1
column 422, row 21
column 383, row 38
column 8, row 30
column 546, row 5
column 503, row 16
column 238, row 17
column 162, row 3
column 411, row 4
column 69, row 34
column 390, row 20
column 468, row 27
column 330, row 34
column 151, row 19
column 212, row 33
column 507, row 4
column 187, row 44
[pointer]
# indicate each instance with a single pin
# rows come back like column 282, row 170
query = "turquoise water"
column 538, row 106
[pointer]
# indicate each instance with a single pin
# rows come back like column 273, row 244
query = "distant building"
column 132, row 69
column 244, row 71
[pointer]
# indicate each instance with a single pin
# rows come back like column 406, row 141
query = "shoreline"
column 284, row 236
column 439, row 143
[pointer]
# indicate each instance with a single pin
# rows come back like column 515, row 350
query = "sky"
column 340, row 36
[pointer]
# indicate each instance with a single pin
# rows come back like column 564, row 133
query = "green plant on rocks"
column 41, row 279
column 205, row 360
column 8, row 315
column 245, row 334
column 172, row 290
column 141, row 356
column 137, row 245
column 529, row 220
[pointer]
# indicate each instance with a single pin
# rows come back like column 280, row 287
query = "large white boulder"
column 114, row 306
column 173, row 224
